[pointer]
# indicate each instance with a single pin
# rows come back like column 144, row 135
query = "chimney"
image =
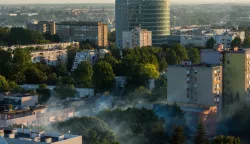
column 236, row 48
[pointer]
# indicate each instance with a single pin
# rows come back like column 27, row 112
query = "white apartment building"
column 221, row 36
column 50, row 57
column 89, row 55
column 136, row 38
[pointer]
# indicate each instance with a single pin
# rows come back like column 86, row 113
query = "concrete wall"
column 27, row 120
column 29, row 101
column 75, row 140
column 210, row 57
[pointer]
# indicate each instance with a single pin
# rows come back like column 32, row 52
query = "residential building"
column 43, row 27
column 88, row 55
column 18, row 99
column 196, row 40
column 148, row 14
column 195, row 84
column 51, row 57
column 29, row 136
column 44, row 46
column 227, row 37
column 236, row 75
column 212, row 56
column 136, row 38
column 95, row 32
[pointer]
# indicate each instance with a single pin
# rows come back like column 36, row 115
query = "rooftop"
column 36, row 136
column 17, row 95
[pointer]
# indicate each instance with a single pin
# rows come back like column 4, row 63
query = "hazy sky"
column 109, row 1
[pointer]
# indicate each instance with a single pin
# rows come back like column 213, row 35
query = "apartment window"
column 228, row 62
column 248, row 55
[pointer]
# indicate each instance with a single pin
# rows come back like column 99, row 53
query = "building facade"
column 95, row 32
column 236, row 75
column 51, row 57
column 147, row 14
column 43, row 27
column 89, row 55
column 195, row 84
column 136, row 38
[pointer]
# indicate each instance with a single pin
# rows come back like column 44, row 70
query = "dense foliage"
column 93, row 130
column 135, row 125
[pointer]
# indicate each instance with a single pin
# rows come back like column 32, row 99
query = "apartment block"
column 236, row 75
column 88, row 55
column 43, row 27
column 51, row 57
column 29, row 136
column 212, row 56
column 136, row 38
column 95, row 32
column 18, row 99
column 195, row 84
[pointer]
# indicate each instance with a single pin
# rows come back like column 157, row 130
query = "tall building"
column 95, row 32
column 136, row 38
column 195, row 84
column 43, row 27
column 153, row 15
column 236, row 75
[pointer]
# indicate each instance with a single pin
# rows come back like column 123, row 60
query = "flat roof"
column 17, row 95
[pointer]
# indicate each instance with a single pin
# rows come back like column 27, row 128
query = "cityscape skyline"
column 111, row 1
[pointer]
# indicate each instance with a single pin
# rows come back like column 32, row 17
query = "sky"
column 110, row 1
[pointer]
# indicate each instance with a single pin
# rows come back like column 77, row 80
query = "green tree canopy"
column 200, row 136
column 178, row 136
column 4, row 86
column 194, row 55
column 225, row 140
column 83, row 74
column 34, row 76
column 92, row 129
column 247, row 42
column 63, row 91
column 210, row 43
column 4, row 62
column 236, row 42
column 103, row 76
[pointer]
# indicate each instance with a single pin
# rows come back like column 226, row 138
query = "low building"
column 51, row 57
column 195, row 84
column 212, row 56
column 18, row 99
column 136, row 38
column 29, row 136
column 95, row 32
column 44, row 46
column 88, row 55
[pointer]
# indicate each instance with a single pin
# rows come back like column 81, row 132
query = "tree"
column 4, row 61
column 52, row 79
column 65, row 91
column 92, row 129
column 35, row 76
column 44, row 93
column 111, row 36
column 71, row 56
column 13, row 87
column 200, row 136
column 225, row 140
column 83, row 74
column 20, row 62
column 236, row 42
column 194, row 55
column 163, row 65
column 247, row 42
column 210, row 43
column 135, row 125
column 103, row 76
column 4, row 86
column 172, row 58
column 178, row 136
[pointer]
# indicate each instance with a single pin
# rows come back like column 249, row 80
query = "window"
column 228, row 62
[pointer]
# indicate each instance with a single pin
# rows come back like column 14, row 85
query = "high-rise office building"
column 136, row 38
column 95, row 32
column 153, row 15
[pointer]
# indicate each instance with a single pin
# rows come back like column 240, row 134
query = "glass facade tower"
column 153, row 15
